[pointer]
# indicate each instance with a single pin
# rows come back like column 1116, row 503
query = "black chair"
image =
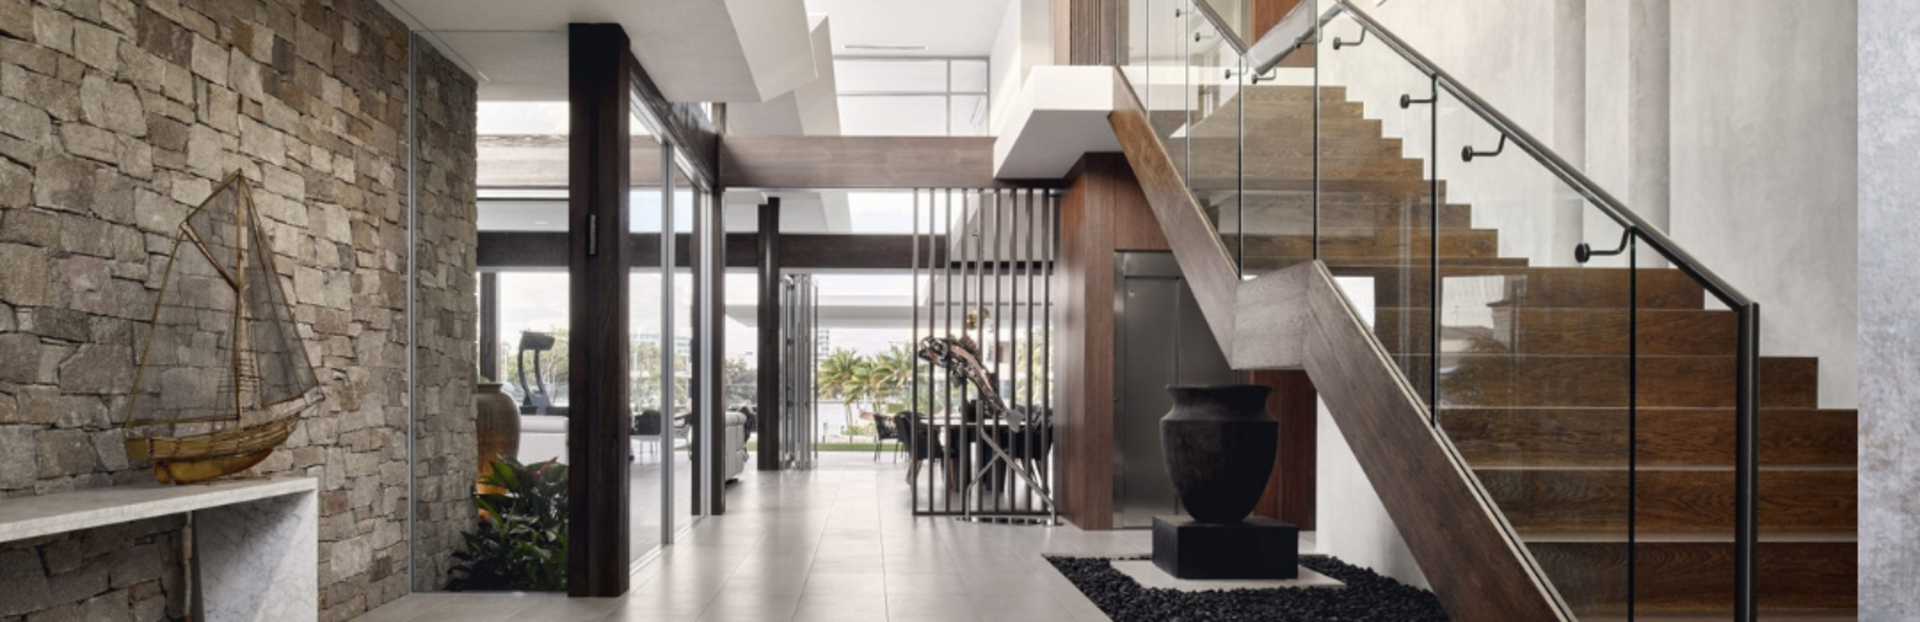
column 1031, row 444
column 646, row 427
column 885, row 429
column 920, row 447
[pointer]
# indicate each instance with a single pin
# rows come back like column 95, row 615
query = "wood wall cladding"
column 1089, row 34
column 1290, row 493
column 1102, row 211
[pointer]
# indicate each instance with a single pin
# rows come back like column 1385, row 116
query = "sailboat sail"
column 223, row 372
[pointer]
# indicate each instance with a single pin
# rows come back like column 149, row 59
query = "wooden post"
column 599, row 419
column 768, row 455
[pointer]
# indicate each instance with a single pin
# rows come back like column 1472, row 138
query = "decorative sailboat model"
column 223, row 375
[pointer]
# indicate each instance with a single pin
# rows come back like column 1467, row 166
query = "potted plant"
column 521, row 540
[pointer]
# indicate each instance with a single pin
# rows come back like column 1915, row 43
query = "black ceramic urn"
column 1219, row 442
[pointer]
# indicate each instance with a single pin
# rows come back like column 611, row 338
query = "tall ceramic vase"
column 496, row 421
column 1219, row 442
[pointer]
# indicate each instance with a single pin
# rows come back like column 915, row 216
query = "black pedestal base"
column 1256, row 548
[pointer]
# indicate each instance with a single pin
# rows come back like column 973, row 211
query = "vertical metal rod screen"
column 980, row 430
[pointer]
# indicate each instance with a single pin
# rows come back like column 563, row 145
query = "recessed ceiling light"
column 541, row 222
column 885, row 48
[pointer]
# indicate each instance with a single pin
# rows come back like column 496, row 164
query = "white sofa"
column 544, row 437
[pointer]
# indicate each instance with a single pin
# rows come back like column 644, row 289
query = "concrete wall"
column 1765, row 185
column 1889, row 155
column 1755, row 175
column 116, row 117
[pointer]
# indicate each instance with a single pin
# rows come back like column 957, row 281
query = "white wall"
column 1353, row 525
column 1025, row 39
column 1765, row 169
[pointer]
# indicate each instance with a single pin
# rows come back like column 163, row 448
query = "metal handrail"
column 1220, row 25
column 1300, row 27
column 1612, row 207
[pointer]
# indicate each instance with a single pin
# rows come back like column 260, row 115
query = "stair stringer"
column 1461, row 543
column 1297, row 318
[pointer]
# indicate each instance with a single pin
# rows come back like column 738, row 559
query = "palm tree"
column 840, row 378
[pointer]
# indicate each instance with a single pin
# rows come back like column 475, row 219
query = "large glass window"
column 912, row 96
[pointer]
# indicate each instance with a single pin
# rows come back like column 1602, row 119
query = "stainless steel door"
column 1160, row 339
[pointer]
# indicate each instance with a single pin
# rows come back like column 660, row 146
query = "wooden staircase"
column 1536, row 401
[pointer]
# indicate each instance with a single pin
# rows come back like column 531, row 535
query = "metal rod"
column 947, row 379
column 667, row 239
column 913, row 402
column 1433, row 226
column 1746, row 516
column 1633, row 418
column 1026, row 350
column 1046, row 378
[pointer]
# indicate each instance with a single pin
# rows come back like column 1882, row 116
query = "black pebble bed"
column 1368, row 596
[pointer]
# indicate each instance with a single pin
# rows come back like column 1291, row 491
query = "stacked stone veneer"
column 117, row 116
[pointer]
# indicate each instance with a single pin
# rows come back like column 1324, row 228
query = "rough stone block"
column 42, row 91
column 112, row 105
column 90, row 142
column 210, row 60
column 16, row 19
column 25, row 122
column 96, row 46
column 25, row 282
column 65, row 452
column 19, row 461
column 64, row 183
column 53, row 29
column 16, row 186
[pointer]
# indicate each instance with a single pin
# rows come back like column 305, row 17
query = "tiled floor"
column 837, row 543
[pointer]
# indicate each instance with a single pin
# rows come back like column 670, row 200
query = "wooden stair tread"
column 1588, row 500
column 1667, row 436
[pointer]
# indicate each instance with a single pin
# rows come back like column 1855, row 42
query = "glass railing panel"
column 1168, row 92
column 1536, row 366
column 1213, row 133
column 1365, row 187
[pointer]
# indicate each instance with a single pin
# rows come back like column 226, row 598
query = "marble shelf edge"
column 23, row 518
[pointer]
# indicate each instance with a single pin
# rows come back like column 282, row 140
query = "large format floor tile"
column 838, row 544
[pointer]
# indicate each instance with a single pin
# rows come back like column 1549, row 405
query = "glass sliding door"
column 654, row 425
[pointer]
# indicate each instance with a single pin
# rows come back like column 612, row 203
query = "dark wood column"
column 1290, row 491
column 490, row 325
column 599, row 422
column 709, row 384
column 768, row 455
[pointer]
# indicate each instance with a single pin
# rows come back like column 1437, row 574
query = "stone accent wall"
column 447, row 330
column 117, row 116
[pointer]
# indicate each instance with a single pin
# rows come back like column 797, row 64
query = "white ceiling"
column 695, row 50
column 946, row 27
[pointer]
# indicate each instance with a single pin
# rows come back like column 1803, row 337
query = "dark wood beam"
column 599, row 80
column 768, row 451
column 682, row 124
column 503, row 250
column 868, row 162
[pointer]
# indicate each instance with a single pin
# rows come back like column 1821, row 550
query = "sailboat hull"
column 189, row 459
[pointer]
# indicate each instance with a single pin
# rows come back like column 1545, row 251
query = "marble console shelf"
column 256, row 544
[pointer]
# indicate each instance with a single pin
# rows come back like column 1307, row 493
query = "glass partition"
column 655, row 432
